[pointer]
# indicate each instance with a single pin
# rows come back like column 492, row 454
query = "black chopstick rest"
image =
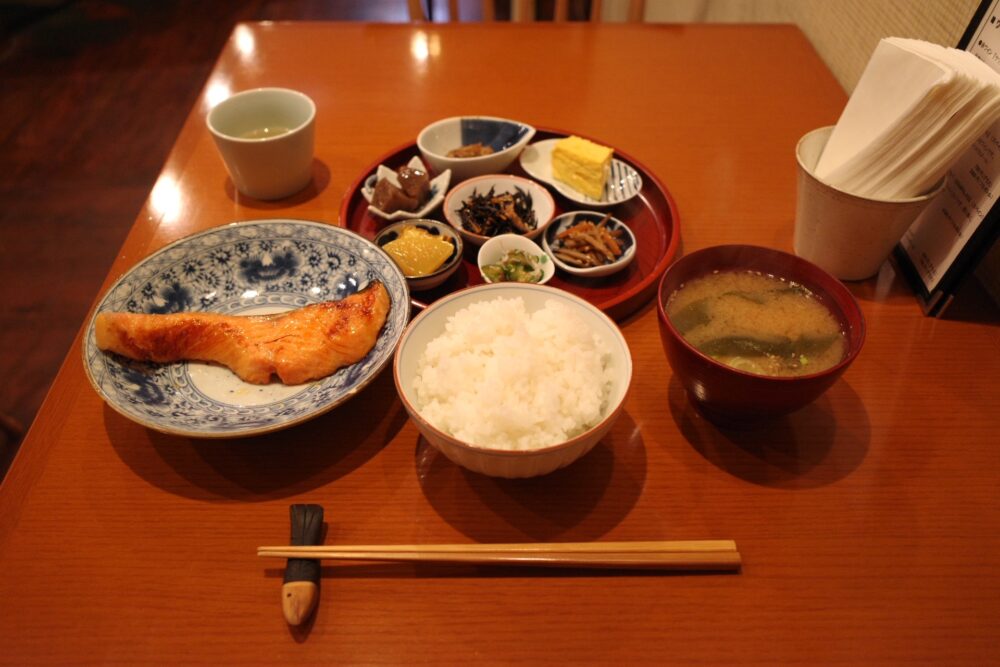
column 300, row 592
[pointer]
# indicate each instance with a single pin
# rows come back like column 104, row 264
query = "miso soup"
column 757, row 323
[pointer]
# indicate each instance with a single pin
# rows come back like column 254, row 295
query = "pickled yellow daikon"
column 418, row 252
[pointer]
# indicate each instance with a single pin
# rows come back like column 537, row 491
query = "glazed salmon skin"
column 298, row 346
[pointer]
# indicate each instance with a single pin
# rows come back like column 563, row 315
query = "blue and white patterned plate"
column 244, row 268
column 623, row 183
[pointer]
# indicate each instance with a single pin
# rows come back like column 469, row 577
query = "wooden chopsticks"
column 677, row 555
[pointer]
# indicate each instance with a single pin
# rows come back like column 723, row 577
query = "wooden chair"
column 524, row 10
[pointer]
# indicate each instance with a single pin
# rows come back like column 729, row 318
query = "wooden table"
column 868, row 522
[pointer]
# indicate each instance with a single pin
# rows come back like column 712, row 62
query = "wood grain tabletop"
column 868, row 522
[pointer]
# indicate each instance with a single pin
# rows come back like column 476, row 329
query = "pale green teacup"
column 266, row 137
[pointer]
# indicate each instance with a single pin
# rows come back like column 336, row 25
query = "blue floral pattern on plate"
column 268, row 265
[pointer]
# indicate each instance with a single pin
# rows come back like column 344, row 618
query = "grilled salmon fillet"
column 297, row 346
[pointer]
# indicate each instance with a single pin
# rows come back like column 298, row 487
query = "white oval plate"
column 623, row 184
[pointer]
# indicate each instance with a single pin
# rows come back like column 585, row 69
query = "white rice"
column 503, row 378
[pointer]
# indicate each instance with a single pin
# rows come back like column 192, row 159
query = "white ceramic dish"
column 429, row 324
column 244, row 268
column 566, row 221
column 494, row 250
column 436, row 228
column 541, row 202
column 623, row 184
column 439, row 186
column 267, row 140
column 507, row 138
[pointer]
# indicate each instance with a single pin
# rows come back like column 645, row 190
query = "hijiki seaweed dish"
column 493, row 214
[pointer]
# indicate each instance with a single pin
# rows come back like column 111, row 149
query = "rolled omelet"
column 582, row 165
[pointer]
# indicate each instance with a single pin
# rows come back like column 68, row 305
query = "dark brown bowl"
column 725, row 394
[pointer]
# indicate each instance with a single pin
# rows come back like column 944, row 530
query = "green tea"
column 265, row 132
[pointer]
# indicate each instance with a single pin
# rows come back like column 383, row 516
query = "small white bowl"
column 541, row 202
column 431, row 323
column 439, row 186
column 568, row 220
column 506, row 137
column 432, row 280
column 493, row 251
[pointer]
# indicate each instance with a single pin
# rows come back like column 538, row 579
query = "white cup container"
column 271, row 166
column 846, row 235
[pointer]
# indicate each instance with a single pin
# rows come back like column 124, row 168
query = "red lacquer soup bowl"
column 726, row 394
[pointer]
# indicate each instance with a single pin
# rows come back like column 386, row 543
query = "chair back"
column 521, row 10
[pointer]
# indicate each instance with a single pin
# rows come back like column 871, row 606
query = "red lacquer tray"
column 652, row 217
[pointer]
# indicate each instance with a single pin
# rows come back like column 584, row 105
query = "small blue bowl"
column 507, row 138
column 447, row 232
column 551, row 243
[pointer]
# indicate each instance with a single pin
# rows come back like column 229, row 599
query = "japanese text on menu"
column 936, row 238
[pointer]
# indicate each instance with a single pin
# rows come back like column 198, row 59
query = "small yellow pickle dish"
column 417, row 252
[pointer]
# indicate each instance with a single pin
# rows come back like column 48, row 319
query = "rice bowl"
column 511, row 379
column 505, row 378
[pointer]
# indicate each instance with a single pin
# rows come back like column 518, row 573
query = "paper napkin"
column 917, row 108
